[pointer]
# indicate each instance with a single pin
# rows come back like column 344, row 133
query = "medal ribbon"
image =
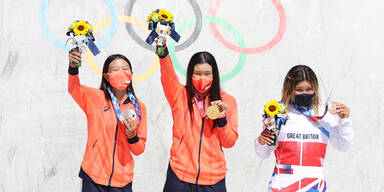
column 200, row 105
column 116, row 104
column 306, row 111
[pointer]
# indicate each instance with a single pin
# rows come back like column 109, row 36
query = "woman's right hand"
column 74, row 56
column 130, row 127
column 266, row 137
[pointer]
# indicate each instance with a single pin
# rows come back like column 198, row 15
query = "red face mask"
column 120, row 80
column 202, row 85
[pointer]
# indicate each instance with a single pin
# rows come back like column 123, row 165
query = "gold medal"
column 213, row 112
column 332, row 108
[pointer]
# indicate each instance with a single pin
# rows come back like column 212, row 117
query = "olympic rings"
column 279, row 35
column 236, row 34
column 172, row 45
column 58, row 43
column 89, row 57
column 180, row 47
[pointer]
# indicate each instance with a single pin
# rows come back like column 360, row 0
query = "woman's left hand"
column 130, row 127
column 342, row 110
column 223, row 108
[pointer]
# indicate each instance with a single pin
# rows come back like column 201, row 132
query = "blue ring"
column 102, row 43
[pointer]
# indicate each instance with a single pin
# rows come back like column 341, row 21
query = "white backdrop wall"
column 43, row 132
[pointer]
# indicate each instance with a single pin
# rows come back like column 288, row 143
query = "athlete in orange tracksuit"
column 107, row 162
column 197, row 161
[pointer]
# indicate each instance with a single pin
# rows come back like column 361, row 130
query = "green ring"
column 235, row 33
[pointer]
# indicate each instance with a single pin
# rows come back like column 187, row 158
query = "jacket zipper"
column 113, row 156
column 201, row 138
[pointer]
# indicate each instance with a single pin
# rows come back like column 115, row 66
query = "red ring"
column 276, row 39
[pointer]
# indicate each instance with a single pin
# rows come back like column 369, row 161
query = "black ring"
column 185, row 44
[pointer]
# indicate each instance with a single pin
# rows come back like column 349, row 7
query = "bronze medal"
column 332, row 108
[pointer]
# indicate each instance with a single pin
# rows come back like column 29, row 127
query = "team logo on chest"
column 303, row 136
column 106, row 108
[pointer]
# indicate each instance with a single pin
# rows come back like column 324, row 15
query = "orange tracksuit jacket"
column 107, row 159
column 196, row 153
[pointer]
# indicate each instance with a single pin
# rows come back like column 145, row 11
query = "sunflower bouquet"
column 160, row 22
column 80, row 34
column 275, row 115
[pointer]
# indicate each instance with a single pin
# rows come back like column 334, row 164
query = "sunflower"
column 165, row 15
column 272, row 108
column 81, row 27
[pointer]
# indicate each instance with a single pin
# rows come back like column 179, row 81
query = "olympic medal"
column 128, row 114
column 213, row 112
column 332, row 108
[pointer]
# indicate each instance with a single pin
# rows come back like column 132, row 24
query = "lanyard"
column 306, row 111
column 200, row 106
column 116, row 104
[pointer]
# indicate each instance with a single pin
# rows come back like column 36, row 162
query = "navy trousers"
column 90, row 186
column 174, row 184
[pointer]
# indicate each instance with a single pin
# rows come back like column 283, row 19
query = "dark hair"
column 104, row 82
column 200, row 58
column 296, row 75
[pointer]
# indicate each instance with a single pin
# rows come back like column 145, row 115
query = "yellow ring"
column 89, row 57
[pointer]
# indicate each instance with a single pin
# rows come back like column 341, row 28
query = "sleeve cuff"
column 222, row 122
column 257, row 143
column 73, row 70
column 165, row 53
column 344, row 121
column 133, row 139
column 345, row 125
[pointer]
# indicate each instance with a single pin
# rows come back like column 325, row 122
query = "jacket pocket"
column 94, row 144
column 177, row 150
